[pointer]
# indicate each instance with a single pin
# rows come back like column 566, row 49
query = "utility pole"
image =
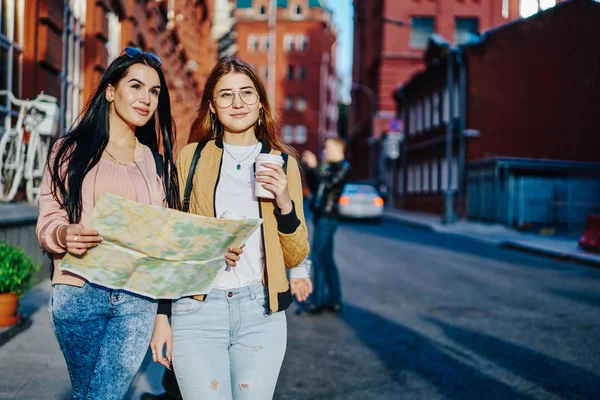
column 272, row 47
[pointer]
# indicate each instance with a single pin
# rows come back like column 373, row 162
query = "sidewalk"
column 497, row 235
column 32, row 366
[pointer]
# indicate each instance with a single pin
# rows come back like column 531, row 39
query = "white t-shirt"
column 235, row 194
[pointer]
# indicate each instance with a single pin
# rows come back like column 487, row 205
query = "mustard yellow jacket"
column 284, row 237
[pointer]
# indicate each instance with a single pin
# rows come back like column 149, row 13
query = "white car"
column 360, row 201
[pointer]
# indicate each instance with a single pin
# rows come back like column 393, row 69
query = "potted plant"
column 17, row 275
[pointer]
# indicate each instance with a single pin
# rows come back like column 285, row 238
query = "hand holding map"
column 155, row 251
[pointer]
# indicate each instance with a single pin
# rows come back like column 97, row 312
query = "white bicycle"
column 24, row 147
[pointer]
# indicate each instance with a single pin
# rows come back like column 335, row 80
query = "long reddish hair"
column 267, row 131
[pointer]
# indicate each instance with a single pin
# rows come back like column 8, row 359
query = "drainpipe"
column 462, row 140
column 403, row 153
column 449, row 215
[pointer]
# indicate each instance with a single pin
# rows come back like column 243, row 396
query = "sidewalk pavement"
column 498, row 235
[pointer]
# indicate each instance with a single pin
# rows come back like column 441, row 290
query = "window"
column 425, row 168
column 288, row 135
column 265, row 42
column 264, row 71
column 290, row 73
column 297, row 10
column 446, row 105
column 288, row 43
column 11, row 50
column 289, row 101
column 435, row 104
column 418, row 178
column 252, row 42
column 263, row 10
column 467, row 30
column 422, row 28
column 444, row 173
column 301, row 134
column 427, row 112
column 505, row 9
column 72, row 85
column 434, row 175
column 456, row 104
column 529, row 7
column 301, row 73
column 412, row 118
column 113, row 46
column 301, row 103
column 454, row 171
column 301, row 43
column 410, row 179
column 419, row 116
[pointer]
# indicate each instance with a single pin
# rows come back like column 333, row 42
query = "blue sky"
column 343, row 18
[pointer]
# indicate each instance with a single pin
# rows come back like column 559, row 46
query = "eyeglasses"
column 134, row 52
column 226, row 98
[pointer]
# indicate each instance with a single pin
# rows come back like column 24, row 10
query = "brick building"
column 388, row 54
column 525, row 96
column 63, row 46
column 304, row 66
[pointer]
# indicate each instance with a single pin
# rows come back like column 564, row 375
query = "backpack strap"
column 285, row 161
column 187, row 194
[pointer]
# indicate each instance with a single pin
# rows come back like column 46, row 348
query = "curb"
column 10, row 332
column 508, row 244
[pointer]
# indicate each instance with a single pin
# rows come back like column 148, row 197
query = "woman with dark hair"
column 230, row 343
column 104, row 333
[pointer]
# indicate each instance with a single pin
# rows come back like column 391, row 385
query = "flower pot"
column 9, row 303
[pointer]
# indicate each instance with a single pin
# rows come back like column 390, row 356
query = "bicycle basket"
column 43, row 116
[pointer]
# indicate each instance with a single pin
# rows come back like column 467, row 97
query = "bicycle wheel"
column 37, row 153
column 11, row 165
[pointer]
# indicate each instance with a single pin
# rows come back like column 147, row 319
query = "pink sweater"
column 137, row 181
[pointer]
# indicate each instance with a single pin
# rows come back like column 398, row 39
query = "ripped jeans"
column 227, row 347
column 104, row 335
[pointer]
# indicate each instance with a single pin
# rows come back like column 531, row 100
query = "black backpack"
column 187, row 194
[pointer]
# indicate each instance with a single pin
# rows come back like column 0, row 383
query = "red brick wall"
column 141, row 23
column 320, row 41
column 535, row 89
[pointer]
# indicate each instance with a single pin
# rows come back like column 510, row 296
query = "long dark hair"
column 82, row 147
column 267, row 130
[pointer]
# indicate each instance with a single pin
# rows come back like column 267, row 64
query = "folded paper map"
column 155, row 251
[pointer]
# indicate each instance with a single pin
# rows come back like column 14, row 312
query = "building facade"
column 62, row 47
column 300, row 74
column 520, row 113
column 390, row 38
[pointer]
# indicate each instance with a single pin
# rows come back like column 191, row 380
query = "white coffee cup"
column 259, row 191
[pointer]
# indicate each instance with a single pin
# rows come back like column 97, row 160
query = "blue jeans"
column 227, row 347
column 326, row 278
column 104, row 335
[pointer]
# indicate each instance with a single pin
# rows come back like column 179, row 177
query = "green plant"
column 17, row 270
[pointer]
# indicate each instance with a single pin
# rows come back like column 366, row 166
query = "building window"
column 301, row 73
column 418, row 181
column 505, row 9
column 435, row 105
column 466, row 30
column 252, row 42
column 529, row 7
column 456, row 104
column 301, row 43
column 264, row 71
column 425, row 169
column 11, row 51
column 446, row 114
column 411, row 120
column 300, row 134
column 434, row 175
column 262, row 10
column 288, row 43
column 444, row 172
column 290, row 73
column 422, row 28
column 454, row 171
column 288, row 135
column 113, row 46
column 301, row 103
column 410, row 179
column 289, row 101
column 72, row 85
column 297, row 10
column 419, row 116
column 427, row 112
column 265, row 42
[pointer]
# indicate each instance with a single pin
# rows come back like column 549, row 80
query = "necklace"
column 113, row 157
column 239, row 163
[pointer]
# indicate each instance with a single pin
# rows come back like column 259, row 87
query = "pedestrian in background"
column 326, row 183
column 230, row 343
column 104, row 333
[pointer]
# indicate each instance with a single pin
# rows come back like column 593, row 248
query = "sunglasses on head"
column 134, row 52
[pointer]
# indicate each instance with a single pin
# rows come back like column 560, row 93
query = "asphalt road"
column 432, row 316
